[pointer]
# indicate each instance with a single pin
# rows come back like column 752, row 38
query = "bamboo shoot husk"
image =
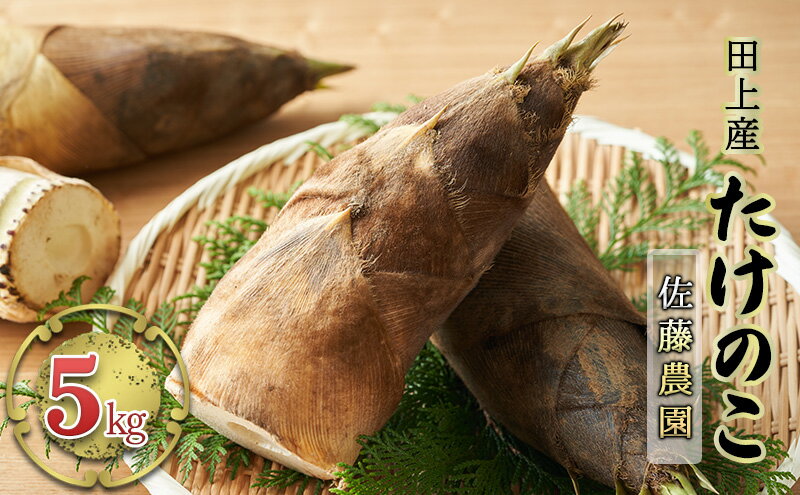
column 304, row 343
column 78, row 99
column 553, row 349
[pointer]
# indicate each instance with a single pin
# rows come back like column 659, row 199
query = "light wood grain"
column 666, row 79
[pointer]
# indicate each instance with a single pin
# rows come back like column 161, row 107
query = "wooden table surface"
column 667, row 79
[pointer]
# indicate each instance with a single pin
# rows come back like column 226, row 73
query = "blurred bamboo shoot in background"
column 80, row 99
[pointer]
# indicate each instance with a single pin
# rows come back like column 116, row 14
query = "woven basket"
column 163, row 260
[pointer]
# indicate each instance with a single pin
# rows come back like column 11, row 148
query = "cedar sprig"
column 72, row 297
column 228, row 242
column 233, row 237
column 746, row 479
column 357, row 120
column 632, row 195
column 112, row 463
column 440, row 441
column 383, row 106
column 324, row 153
column 728, row 476
column 199, row 443
column 20, row 389
column 398, row 108
column 124, row 325
column 270, row 199
column 159, row 436
column 371, row 126
column 238, row 458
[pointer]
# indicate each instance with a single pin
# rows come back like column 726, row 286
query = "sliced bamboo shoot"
column 53, row 229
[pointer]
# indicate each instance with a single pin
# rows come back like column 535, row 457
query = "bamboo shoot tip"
column 512, row 72
column 339, row 219
column 322, row 69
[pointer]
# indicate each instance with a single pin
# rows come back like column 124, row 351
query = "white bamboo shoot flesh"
column 53, row 229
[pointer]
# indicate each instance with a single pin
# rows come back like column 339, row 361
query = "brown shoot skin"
column 553, row 349
column 304, row 344
column 78, row 99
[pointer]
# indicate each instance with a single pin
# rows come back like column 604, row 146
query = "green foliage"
column 383, row 106
column 371, row 126
column 199, row 443
column 439, row 441
column 320, row 150
column 21, row 389
column 633, row 206
column 238, row 458
column 732, row 477
column 229, row 241
column 640, row 302
column 270, row 199
column 358, row 120
column 234, row 236
column 632, row 194
column 159, row 436
column 112, row 463
column 584, row 213
column 72, row 297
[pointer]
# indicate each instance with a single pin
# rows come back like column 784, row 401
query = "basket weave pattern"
column 172, row 268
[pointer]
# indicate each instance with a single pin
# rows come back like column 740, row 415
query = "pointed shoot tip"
column 339, row 219
column 430, row 123
column 587, row 53
column 322, row 69
column 611, row 21
column 559, row 47
column 571, row 36
column 512, row 72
